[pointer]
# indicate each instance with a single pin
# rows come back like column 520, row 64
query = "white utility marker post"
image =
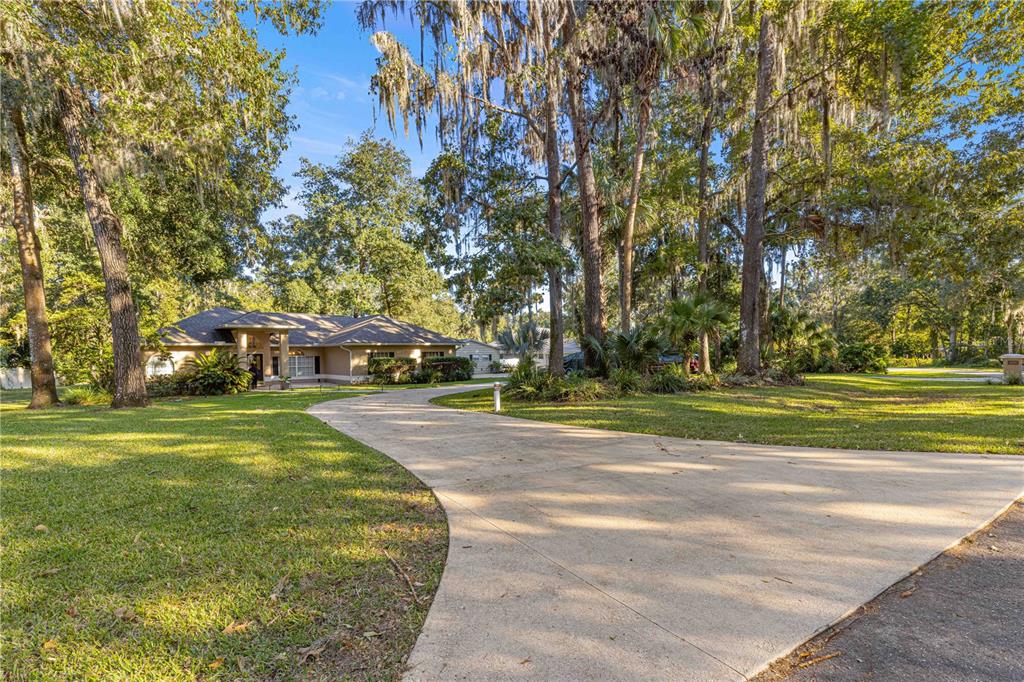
column 497, row 397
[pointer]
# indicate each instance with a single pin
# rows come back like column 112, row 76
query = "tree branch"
column 512, row 112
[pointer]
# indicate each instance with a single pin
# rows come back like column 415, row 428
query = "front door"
column 257, row 359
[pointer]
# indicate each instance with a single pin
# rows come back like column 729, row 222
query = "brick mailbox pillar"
column 1013, row 364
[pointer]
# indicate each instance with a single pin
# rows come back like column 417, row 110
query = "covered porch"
column 255, row 342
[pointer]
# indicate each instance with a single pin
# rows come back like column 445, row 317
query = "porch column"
column 283, row 349
column 268, row 365
column 242, row 347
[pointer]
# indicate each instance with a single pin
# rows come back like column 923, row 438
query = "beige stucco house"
column 334, row 348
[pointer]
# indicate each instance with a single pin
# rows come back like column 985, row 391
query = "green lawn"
column 227, row 538
column 943, row 372
column 847, row 411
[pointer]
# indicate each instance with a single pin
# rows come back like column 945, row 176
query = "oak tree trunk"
column 44, row 382
column 556, row 361
column 593, row 304
column 129, row 380
column 749, row 360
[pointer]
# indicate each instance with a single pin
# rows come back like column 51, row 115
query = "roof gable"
column 214, row 326
column 382, row 330
column 482, row 344
column 201, row 328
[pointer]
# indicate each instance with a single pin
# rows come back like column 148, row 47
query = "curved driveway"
column 579, row 554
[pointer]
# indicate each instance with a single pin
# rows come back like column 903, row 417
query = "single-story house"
column 482, row 354
column 541, row 356
column 334, row 348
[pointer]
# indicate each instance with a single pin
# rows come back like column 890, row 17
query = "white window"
column 433, row 354
column 159, row 366
column 301, row 366
column 380, row 354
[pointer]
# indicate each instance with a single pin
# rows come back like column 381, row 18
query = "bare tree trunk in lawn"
column 129, row 380
column 593, row 304
column 702, row 224
column 556, row 361
column 749, row 360
column 44, row 382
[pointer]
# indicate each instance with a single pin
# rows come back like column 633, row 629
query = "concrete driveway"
column 585, row 554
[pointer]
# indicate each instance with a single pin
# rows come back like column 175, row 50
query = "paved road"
column 585, row 554
column 958, row 618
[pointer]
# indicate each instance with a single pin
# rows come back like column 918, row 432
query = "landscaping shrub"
column 863, row 357
column 392, row 370
column 496, row 367
column 768, row 377
column 703, row 382
column 86, row 395
column 636, row 350
column 527, row 381
column 626, row 381
column 669, row 379
column 165, row 386
column 452, row 368
column 427, row 375
column 574, row 388
column 213, row 373
column 101, row 375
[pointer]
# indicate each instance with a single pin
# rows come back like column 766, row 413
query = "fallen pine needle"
column 819, row 659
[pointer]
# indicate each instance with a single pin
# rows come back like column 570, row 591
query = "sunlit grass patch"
column 845, row 411
column 208, row 538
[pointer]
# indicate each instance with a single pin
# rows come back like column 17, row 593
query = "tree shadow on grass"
column 165, row 525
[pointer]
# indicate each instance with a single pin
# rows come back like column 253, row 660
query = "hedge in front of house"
column 450, row 367
column 392, row 370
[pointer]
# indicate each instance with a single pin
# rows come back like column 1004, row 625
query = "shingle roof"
column 480, row 343
column 378, row 329
column 260, row 319
column 201, row 328
column 312, row 330
column 568, row 346
column 304, row 329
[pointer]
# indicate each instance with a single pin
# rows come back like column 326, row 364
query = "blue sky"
column 331, row 101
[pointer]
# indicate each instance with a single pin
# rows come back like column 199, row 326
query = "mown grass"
column 839, row 411
column 943, row 372
column 208, row 538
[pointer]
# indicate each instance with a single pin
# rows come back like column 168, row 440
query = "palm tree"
column 636, row 349
column 796, row 332
column 524, row 340
column 688, row 318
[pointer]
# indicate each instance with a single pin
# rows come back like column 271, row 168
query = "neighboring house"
column 334, row 348
column 541, row 357
column 482, row 354
column 568, row 348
